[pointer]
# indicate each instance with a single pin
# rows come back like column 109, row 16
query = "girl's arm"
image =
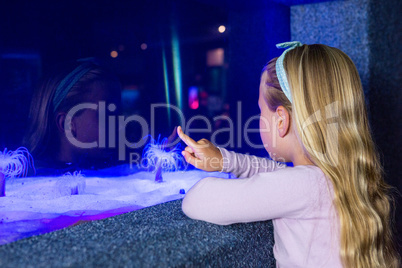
column 245, row 166
column 284, row 193
column 204, row 155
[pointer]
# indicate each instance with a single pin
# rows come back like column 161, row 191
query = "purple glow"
column 193, row 101
column 38, row 205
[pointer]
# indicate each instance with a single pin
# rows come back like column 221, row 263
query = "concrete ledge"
column 156, row 236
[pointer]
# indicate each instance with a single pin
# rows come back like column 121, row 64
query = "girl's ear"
column 60, row 123
column 282, row 121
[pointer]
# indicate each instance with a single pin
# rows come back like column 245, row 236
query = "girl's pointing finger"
column 186, row 139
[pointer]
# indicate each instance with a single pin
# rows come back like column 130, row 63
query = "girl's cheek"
column 264, row 125
column 264, row 130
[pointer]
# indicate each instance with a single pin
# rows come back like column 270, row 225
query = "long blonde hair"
column 329, row 114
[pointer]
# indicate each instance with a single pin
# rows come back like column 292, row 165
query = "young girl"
column 331, row 209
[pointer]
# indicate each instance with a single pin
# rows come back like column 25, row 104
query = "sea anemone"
column 161, row 157
column 13, row 164
column 71, row 183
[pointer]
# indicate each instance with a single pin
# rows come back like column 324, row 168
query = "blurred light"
column 222, row 29
column 114, row 54
column 216, row 57
column 193, row 101
column 177, row 67
column 121, row 47
column 203, row 98
column 144, row 46
column 130, row 95
column 194, row 105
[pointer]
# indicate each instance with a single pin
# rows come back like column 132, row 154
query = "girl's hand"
column 202, row 154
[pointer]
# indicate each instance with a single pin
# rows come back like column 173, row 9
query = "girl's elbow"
column 191, row 202
column 191, row 206
column 192, row 209
column 199, row 204
column 186, row 206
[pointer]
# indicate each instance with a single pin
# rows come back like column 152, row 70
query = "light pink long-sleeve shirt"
column 297, row 199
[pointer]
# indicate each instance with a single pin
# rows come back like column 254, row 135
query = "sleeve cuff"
column 225, row 159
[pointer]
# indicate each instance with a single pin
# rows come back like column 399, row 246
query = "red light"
column 194, row 105
column 193, row 98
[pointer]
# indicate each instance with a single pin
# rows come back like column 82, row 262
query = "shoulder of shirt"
column 305, row 176
column 311, row 180
column 303, row 170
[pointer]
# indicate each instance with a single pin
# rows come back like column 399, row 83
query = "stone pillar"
column 341, row 24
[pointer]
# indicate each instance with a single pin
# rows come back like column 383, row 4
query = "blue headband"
column 280, row 71
column 68, row 82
